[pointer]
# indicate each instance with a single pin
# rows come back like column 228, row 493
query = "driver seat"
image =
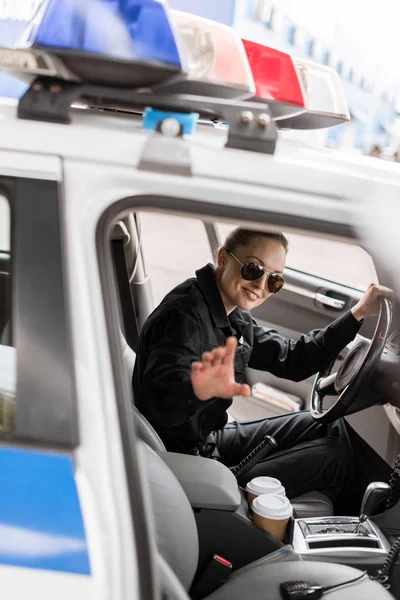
column 313, row 504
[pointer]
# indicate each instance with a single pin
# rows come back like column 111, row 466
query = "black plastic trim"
column 363, row 543
column 46, row 404
column 129, row 319
column 49, row 99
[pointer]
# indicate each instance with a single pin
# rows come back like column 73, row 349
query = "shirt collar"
column 208, row 287
column 238, row 321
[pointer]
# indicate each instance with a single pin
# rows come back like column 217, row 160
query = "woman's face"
column 236, row 291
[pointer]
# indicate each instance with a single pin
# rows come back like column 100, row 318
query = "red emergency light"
column 275, row 75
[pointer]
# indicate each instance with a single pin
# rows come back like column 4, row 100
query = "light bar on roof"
column 325, row 98
column 129, row 43
column 276, row 79
column 215, row 59
column 34, row 62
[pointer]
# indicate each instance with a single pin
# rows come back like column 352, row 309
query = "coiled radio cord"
column 264, row 448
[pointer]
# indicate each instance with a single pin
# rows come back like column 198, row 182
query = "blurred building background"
column 354, row 37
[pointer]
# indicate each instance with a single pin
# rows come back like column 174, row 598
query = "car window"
column 174, row 247
column 340, row 262
column 7, row 352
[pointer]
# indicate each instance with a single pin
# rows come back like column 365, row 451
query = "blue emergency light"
column 136, row 55
column 114, row 42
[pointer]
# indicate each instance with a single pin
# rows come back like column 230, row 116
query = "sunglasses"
column 251, row 271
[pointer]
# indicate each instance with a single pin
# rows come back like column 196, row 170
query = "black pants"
column 332, row 459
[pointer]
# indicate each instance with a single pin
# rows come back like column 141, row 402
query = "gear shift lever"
column 375, row 492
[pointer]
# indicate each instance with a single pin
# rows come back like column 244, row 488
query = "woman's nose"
column 262, row 282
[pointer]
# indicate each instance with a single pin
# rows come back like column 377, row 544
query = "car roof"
column 320, row 179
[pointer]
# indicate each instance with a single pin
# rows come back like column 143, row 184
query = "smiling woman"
column 248, row 277
column 198, row 345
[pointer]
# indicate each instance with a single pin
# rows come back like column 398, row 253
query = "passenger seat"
column 313, row 504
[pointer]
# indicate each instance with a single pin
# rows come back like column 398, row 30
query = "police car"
column 140, row 128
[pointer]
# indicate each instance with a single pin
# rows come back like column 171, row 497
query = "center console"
column 226, row 528
column 345, row 539
column 338, row 538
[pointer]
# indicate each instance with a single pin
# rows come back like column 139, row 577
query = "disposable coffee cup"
column 272, row 512
column 263, row 485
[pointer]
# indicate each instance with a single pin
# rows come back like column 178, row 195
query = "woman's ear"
column 221, row 258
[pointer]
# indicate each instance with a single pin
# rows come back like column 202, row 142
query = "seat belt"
column 127, row 306
column 212, row 576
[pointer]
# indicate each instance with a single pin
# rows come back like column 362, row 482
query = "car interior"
column 199, row 510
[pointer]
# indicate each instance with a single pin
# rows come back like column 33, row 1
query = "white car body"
column 95, row 161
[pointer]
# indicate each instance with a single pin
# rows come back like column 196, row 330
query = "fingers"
column 240, row 389
column 213, row 358
column 230, row 349
column 381, row 290
column 214, row 374
column 206, row 359
column 218, row 356
column 221, row 354
column 197, row 367
column 243, row 390
column 385, row 291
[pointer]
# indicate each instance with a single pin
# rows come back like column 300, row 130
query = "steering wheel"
column 353, row 374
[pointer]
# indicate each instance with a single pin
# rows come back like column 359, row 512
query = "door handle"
column 317, row 296
column 329, row 301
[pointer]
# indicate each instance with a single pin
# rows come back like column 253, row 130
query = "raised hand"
column 214, row 375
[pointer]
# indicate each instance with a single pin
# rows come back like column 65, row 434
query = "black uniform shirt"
column 192, row 319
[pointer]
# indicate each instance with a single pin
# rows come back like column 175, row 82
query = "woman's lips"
column 251, row 295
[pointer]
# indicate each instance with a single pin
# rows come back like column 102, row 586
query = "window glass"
column 174, row 248
column 326, row 57
column 265, row 12
column 7, row 352
column 340, row 262
column 310, row 48
column 291, row 35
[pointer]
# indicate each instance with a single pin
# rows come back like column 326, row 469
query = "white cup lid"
column 272, row 506
column 265, row 485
